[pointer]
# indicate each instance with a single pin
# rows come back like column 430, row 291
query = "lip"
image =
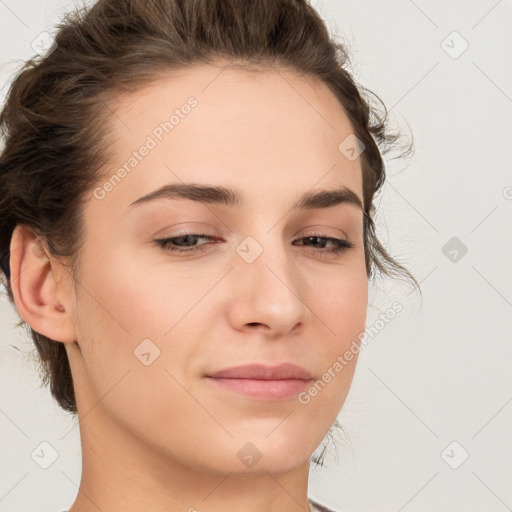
column 264, row 372
column 263, row 381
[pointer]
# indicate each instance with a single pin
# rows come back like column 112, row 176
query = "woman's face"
column 153, row 325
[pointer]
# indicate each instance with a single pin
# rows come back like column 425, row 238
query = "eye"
column 340, row 245
column 173, row 244
column 188, row 243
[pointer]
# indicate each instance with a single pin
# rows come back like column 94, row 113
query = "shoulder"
column 318, row 507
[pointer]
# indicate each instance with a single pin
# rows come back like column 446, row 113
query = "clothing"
column 315, row 506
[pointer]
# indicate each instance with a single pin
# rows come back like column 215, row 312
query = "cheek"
column 352, row 305
column 131, row 366
column 341, row 305
column 117, row 311
column 133, row 314
column 132, row 300
column 342, row 299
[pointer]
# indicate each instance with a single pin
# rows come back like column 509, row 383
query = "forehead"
column 255, row 129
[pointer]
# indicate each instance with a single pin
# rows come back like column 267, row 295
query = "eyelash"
column 165, row 244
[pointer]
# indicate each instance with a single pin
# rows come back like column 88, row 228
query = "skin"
column 163, row 437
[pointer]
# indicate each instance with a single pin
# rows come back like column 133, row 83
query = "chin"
column 260, row 454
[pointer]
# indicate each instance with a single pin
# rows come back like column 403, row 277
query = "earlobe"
column 41, row 301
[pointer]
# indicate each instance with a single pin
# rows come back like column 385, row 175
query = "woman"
column 186, row 204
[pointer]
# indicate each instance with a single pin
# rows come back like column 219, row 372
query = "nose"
column 269, row 291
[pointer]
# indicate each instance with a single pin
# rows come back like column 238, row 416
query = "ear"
column 42, row 299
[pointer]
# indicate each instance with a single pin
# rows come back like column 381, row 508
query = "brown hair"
column 55, row 147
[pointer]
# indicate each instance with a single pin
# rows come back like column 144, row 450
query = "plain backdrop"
column 426, row 421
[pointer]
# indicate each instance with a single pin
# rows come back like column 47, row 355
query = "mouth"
column 264, row 389
column 263, row 382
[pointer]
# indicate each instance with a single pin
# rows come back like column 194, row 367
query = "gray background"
column 433, row 387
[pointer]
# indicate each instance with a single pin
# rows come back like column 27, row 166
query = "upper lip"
column 264, row 372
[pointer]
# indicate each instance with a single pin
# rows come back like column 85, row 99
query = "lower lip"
column 263, row 389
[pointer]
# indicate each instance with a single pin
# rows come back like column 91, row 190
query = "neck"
column 119, row 473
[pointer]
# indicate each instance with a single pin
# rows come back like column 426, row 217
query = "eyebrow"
column 234, row 198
